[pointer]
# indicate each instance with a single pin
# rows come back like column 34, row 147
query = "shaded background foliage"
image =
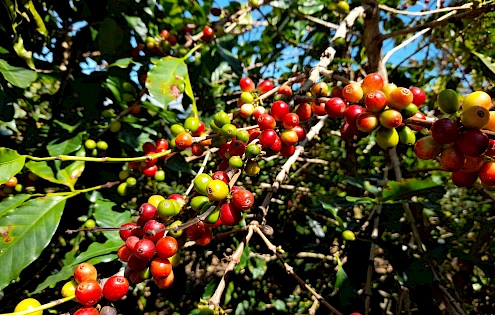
column 64, row 65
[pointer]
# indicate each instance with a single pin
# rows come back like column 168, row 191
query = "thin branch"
column 468, row 14
column 414, row 37
column 290, row 271
column 447, row 9
column 205, row 161
column 235, row 259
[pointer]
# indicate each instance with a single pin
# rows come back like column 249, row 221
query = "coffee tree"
column 301, row 157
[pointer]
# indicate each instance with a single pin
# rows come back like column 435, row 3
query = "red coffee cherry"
column 335, row 107
column 487, row 173
column 444, row 131
column 87, row 310
column 279, row 109
column 242, row 199
column 147, row 212
column 464, row 179
column 153, row 230
column 304, row 111
column 473, row 142
column 229, row 215
column 88, row 292
column 160, row 267
column 144, row 249
column 115, row 288
column 166, row 247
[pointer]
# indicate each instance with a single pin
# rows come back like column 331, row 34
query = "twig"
column 428, row 12
column 286, row 167
column 205, row 161
column 471, row 13
column 427, row 124
column 414, row 37
column 235, row 258
column 290, row 271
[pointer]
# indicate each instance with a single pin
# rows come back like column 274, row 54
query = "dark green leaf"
column 137, row 25
column 233, row 61
column 334, row 211
column 29, row 229
column 17, row 76
column 228, row 293
column 257, row 267
column 43, row 170
column 11, row 163
column 395, row 190
column 65, row 147
column 210, row 289
column 106, row 217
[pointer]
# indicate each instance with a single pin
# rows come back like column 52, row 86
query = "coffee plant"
column 245, row 157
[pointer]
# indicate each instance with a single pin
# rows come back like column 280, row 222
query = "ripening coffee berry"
column 115, row 288
column 85, row 272
column 427, row 149
column 88, row 292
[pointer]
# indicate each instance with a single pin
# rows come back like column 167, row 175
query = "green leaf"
column 23, row 53
column 43, row 170
column 228, row 293
column 11, row 163
column 168, row 79
column 396, row 190
column 488, row 61
column 106, row 217
column 233, row 61
column 137, row 25
column 257, row 267
column 37, row 18
column 334, row 211
column 123, row 63
column 26, row 232
column 210, row 289
column 67, row 127
column 17, row 76
column 69, row 175
column 110, row 37
column 12, row 202
column 279, row 305
column 68, row 271
column 341, row 275
column 310, row 7
column 66, row 147
column 360, row 200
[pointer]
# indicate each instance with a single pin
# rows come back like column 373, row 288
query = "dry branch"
column 290, row 271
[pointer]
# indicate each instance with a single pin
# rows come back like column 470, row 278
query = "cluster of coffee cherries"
column 149, row 168
column 170, row 42
column 278, row 130
column 385, row 106
column 96, row 148
column 147, row 251
column 182, row 136
column 460, row 141
column 88, row 291
column 213, row 191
